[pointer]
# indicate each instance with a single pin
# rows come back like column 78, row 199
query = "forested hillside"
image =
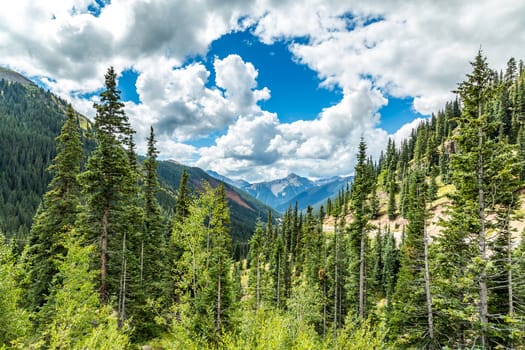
column 104, row 268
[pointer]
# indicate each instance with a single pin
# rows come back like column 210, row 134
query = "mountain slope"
column 318, row 194
column 237, row 183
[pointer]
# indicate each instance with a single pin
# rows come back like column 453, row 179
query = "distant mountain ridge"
column 282, row 193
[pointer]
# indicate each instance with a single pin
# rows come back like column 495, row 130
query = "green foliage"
column 361, row 336
column 205, row 285
column 73, row 313
column 408, row 317
column 302, row 288
column 15, row 321
column 153, row 262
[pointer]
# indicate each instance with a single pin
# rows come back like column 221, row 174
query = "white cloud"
column 417, row 49
column 260, row 148
column 239, row 80
column 180, row 105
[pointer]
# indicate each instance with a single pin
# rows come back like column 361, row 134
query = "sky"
column 258, row 89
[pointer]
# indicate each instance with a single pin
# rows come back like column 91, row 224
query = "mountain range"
column 282, row 193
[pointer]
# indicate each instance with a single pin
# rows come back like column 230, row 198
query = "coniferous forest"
column 425, row 250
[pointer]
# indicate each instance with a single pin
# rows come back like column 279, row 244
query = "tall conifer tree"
column 57, row 211
column 358, row 233
column 110, row 186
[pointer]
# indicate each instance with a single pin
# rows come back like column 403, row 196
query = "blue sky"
column 258, row 89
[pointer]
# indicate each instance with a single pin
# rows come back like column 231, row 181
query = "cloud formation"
column 369, row 50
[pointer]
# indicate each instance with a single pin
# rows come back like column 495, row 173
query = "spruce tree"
column 57, row 211
column 153, row 246
column 111, row 215
column 409, row 319
column 480, row 171
column 183, row 198
column 219, row 292
column 358, row 234
column 256, row 263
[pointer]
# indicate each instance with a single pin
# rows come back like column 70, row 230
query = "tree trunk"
column 362, row 277
column 103, row 256
column 482, row 278
column 141, row 262
column 324, row 290
column 509, row 264
column 278, row 279
column 219, row 291
column 122, row 291
column 258, row 282
column 427, row 278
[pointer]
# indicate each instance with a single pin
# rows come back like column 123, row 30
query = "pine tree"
column 474, row 93
column 390, row 267
column 220, row 262
column 480, row 169
column 111, row 215
column 278, row 270
column 183, row 198
column 57, row 211
column 392, row 200
column 358, row 234
column 256, row 264
column 411, row 307
column 153, row 246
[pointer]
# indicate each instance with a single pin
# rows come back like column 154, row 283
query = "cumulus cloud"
column 370, row 50
column 238, row 79
column 63, row 40
column 417, row 49
column 181, row 105
column 262, row 147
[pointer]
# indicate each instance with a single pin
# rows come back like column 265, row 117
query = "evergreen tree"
column 183, row 198
column 359, row 235
column 111, row 215
column 392, row 201
column 58, row 210
column 390, row 267
column 256, row 264
column 219, row 292
column 479, row 171
column 153, row 246
column 410, row 303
